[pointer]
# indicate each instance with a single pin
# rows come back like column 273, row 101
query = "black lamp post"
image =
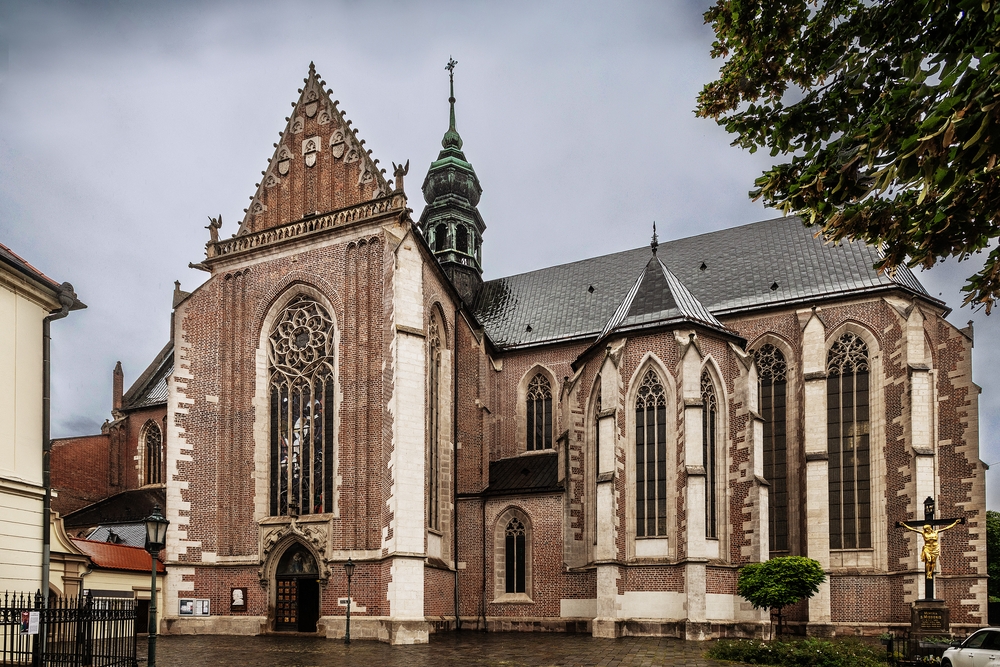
column 349, row 569
column 929, row 509
column 156, row 539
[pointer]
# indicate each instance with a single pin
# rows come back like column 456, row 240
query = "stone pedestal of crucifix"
column 930, row 615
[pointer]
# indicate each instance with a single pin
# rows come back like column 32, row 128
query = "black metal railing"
column 72, row 632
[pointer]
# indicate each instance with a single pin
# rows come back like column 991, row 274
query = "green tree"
column 779, row 582
column 888, row 112
column 993, row 553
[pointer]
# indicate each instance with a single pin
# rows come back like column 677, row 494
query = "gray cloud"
column 123, row 125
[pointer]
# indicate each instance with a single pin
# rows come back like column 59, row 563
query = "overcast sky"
column 123, row 125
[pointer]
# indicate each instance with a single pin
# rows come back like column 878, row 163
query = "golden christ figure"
column 932, row 546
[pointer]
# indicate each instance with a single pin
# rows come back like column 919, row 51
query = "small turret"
column 451, row 222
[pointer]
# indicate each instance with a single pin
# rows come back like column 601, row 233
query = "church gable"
column 319, row 165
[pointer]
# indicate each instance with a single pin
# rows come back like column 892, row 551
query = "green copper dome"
column 451, row 222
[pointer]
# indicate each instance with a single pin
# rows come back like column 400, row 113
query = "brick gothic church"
column 593, row 447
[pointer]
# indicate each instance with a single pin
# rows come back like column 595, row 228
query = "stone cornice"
column 300, row 229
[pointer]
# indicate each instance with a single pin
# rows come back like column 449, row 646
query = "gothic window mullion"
column 773, row 371
column 650, row 458
column 848, row 443
column 301, row 375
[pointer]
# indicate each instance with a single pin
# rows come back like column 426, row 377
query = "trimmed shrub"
column 847, row 652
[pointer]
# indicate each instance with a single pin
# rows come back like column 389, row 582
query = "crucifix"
column 931, row 532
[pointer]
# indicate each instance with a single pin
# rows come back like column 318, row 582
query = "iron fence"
column 71, row 632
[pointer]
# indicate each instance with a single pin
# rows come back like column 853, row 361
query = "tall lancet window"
column 709, row 440
column 300, row 354
column 773, row 374
column 650, row 457
column 597, row 460
column 539, row 413
column 847, row 401
column 152, row 441
column 514, row 557
column 433, row 423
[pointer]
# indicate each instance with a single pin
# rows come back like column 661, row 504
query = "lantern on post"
column 156, row 539
column 349, row 569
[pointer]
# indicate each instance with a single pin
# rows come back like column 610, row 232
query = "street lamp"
column 349, row 569
column 156, row 538
column 929, row 509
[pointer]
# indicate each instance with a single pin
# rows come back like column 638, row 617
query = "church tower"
column 451, row 222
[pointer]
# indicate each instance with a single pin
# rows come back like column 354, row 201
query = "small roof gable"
column 118, row 556
column 659, row 298
column 319, row 164
column 150, row 388
column 761, row 265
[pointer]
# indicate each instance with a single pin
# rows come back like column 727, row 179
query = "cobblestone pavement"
column 472, row 649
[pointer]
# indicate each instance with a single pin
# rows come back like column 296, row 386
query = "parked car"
column 979, row 650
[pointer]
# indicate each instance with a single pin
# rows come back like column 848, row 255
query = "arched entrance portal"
column 297, row 591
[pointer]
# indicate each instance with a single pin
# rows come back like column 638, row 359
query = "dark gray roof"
column 525, row 474
column 131, row 534
column 659, row 298
column 125, row 507
column 755, row 266
column 150, row 388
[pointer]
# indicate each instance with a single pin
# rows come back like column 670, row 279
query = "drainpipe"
column 68, row 301
column 454, row 461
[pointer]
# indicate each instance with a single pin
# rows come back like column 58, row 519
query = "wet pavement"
column 472, row 649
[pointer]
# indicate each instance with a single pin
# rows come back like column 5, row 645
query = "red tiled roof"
column 117, row 556
column 10, row 257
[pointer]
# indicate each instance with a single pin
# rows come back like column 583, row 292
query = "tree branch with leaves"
column 888, row 112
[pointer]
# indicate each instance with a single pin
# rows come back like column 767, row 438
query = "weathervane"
column 654, row 244
column 451, row 75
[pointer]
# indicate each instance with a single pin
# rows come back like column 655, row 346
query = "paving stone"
column 473, row 649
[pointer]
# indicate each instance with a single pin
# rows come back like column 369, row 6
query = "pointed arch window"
column 597, row 460
column 539, row 399
column 514, row 556
column 847, row 403
column 152, row 442
column 462, row 239
column 709, row 441
column 773, row 375
column 301, row 393
column 434, row 423
column 650, row 457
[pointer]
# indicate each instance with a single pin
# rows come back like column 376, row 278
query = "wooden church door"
column 297, row 592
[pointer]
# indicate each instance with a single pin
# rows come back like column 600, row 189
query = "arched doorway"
column 297, row 591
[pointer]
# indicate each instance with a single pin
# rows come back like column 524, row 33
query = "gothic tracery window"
column 773, row 376
column 301, row 392
column 710, row 428
column 650, row 457
column 152, row 442
column 539, row 400
column 848, row 443
column 434, row 422
column 514, row 557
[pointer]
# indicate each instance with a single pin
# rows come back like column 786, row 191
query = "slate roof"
column 658, row 297
column 741, row 265
column 150, row 388
column 118, row 556
column 525, row 474
column 129, row 534
column 124, row 507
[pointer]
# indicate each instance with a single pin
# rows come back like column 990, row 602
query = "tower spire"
column 451, row 137
column 450, row 222
column 655, row 243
